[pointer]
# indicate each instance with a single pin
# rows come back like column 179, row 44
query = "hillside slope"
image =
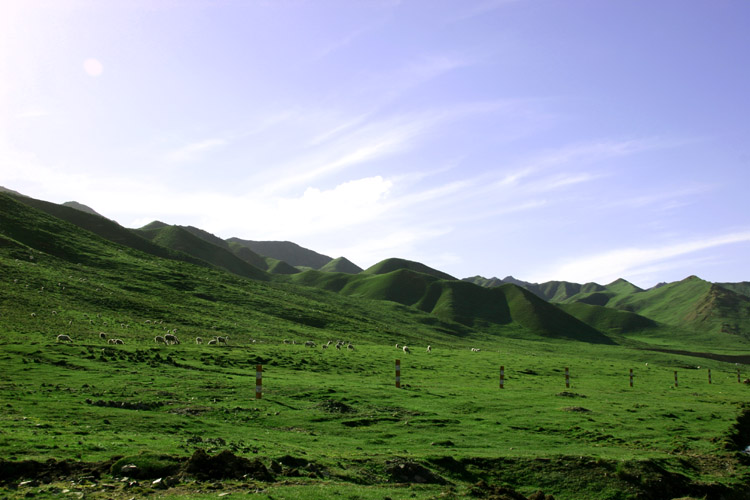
column 183, row 240
column 393, row 264
column 289, row 252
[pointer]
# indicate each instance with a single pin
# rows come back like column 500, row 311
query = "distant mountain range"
column 688, row 312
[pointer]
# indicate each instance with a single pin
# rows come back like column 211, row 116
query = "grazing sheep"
column 396, row 345
column 324, row 346
column 309, row 343
column 160, row 340
column 33, row 315
column 212, row 342
column 286, row 341
column 429, row 348
column 350, row 346
column 64, row 338
column 171, row 339
column 338, row 346
column 119, row 341
column 474, row 349
column 407, row 350
column 329, row 343
column 198, row 340
column 223, row 340
column 54, row 313
column 102, row 335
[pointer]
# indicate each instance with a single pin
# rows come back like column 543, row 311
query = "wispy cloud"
column 195, row 151
column 631, row 261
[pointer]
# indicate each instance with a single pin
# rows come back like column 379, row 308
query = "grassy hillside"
column 331, row 422
column 341, row 265
column 608, row 320
column 180, row 239
column 394, row 264
column 289, row 252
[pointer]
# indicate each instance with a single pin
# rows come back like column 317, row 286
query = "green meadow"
column 147, row 420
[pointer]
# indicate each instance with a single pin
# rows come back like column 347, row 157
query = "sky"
column 576, row 140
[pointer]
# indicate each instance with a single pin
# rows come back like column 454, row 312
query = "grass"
column 331, row 422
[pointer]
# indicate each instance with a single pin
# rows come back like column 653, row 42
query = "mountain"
column 287, row 251
column 106, row 229
column 81, row 207
column 341, row 265
column 183, row 240
column 389, row 265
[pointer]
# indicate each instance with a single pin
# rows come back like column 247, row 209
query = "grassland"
column 331, row 422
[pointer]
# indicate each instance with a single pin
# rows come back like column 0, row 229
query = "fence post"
column 709, row 375
column 675, row 378
column 738, row 376
column 398, row 373
column 567, row 378
column 502, row 377
column 631, row 377
column 258, row 381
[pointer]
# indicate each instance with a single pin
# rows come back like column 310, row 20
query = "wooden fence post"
column 398, row 373
column 502, row 377
column 675, row 378
column 567, row 378
column 631, row 377
column 258, row 381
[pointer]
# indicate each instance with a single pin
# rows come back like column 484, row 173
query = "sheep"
column 396, row 345
column 160, row 340
column 64, row 338
column 350, row 346
column 198, row 340
column 429, row 348
column 324, row 346
column 102, row 335
column 223, row 340
column 286, row 341
column 54, row 313
column 474, row 349
column 212, row 342
column 407, row 350
column 309, row 343
column 119, row 341
column 33, row 315
column 338, row 346
column 171, row 339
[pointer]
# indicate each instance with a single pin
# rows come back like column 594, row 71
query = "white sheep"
column 407, row 350
column 171, row 339
column 286, row 341
column 309, row 343
column 397, row 345
column 474, row 349
column 64, row 338
column 223, row 340
column 350, row 346
column 198, row 340
column 102, row 335
column 212, row 342
column 160, row 340
column 429, row 348
column 119, row 341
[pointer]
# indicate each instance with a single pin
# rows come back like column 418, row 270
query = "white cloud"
column 632, row 261
column 195, row 150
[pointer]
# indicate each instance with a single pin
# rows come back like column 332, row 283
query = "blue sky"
column 548, row 140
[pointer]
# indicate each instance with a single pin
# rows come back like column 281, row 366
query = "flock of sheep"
column 171, row 339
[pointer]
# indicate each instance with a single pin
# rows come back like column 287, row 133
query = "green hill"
column 389, row 265
column 341, row 265
column 106, row 229
column 608, row 320
column 180, row 239
column 289, row 252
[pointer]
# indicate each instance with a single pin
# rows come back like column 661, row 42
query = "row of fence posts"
column 259, row 378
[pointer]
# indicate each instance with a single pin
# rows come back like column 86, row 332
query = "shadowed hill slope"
column 608, row 320
column 182, row 240
column 106, row 229
column 289, row 252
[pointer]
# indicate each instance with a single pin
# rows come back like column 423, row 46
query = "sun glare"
column 93, row 67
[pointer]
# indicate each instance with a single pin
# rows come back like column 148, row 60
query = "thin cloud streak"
column 613, row 264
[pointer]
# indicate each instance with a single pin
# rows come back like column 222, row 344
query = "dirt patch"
column 567, row 394
column 411, row 472
column 225, row 465
column 51, row 470
column 577, row 409
column 495, row 492
column 333, row 406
